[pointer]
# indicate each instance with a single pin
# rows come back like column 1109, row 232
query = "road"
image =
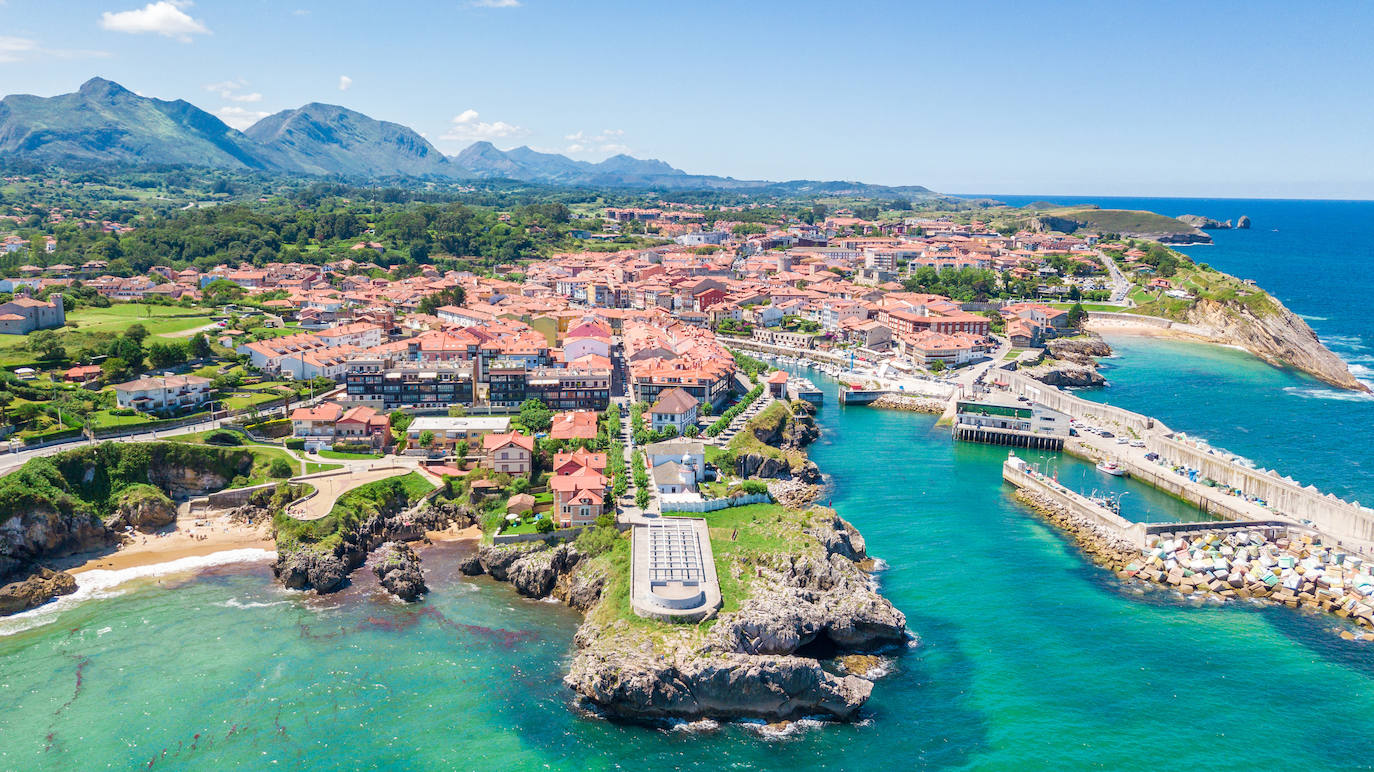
column 13, row 460
column 1120, row 285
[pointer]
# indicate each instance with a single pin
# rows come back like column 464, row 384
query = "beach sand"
column 453, row 533
column 189, row 538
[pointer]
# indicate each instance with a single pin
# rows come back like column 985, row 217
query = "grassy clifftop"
column 89, row 480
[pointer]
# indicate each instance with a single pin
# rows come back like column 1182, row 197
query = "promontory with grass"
column 800, row 631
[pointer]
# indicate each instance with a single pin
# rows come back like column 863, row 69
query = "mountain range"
column 105, row 123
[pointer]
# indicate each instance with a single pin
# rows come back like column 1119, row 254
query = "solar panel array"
column 674, row 552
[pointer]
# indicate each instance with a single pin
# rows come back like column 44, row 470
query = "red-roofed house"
column 511, row 453
column 574, row 425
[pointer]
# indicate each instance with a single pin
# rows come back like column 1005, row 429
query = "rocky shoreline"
column 304, row 568
column 1227, row 566
column 786, row 652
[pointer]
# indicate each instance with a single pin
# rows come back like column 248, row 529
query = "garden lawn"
column 348, row 456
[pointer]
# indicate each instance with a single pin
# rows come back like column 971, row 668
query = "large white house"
column 163, row 392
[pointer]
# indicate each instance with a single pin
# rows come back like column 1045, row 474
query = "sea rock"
column 1204, row 223
column 306, row 569
column 535, row 574
column 38, row 588
column 398, row 569
column 838, row 537
column 581, row 588
column 1243, row 223
column 641, row 685
column 802, row 600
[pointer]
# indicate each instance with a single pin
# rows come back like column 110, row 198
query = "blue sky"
column 1191, row 99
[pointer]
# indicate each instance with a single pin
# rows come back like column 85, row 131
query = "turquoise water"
column 1029, row 659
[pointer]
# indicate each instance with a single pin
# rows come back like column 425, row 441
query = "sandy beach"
column 453, row 533
column 1177, row 331
column 186, row 539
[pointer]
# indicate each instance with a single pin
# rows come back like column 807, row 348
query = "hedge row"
column 729, row 415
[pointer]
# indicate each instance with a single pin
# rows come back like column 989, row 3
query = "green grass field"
column 160, row 320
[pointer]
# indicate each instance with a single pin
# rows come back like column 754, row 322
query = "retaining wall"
column 715, row 505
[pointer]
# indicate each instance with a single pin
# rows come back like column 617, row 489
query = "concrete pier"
column 1343, row 523
column 1017, row 472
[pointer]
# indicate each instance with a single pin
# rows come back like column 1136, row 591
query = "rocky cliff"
column 82, row 499
column 1271, row 332
column 1205, row 223
column 786, row 429
column 772, row 658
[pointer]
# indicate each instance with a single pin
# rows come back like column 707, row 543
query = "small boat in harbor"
column 1112, row 468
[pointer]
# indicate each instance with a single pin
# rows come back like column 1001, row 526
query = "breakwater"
column 1346, row 523
column 1273, row 560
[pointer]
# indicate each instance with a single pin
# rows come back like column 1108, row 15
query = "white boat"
column 1112, row 468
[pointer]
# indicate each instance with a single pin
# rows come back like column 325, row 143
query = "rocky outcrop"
column 1082, row 349
column 1243, row 223
column 183, row 481
column 772, row 467
column 34, row 590
column 398, row 569
column 532, row 568
column 1273, row 333
column 144, row 508
column 762, row 661
column 639, row 685
column 1205, row 223
column 1071, row 362
column 1060, row 373
column 304, row 567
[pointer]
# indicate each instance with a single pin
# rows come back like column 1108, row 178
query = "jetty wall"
column 1020, row 477
column 1064, row 402
column 1335, row 517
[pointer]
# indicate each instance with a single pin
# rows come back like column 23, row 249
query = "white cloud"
column 607, row 141
column 239, row 117
column 164, row 17
column 493, row 4
column 344, row 82
column 15, row 49
column 300, row 12
column 468, row 127
column 233, row 90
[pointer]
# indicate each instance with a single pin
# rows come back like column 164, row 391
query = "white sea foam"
column 701, row 725
column 1312, row 318
column 1318, row 392
column 102, row 583
column 1352, row 342
column 236, row 603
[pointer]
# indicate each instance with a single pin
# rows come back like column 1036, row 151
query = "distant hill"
column 105, row 123
column 328, row 139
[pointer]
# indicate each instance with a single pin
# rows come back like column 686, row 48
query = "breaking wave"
column 102, row 583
